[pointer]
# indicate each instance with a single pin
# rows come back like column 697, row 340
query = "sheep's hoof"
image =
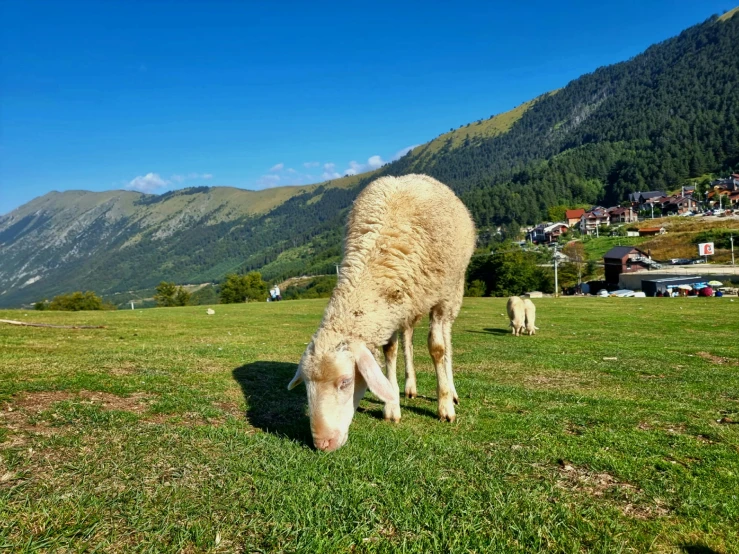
column 447, row 413
column 456, row 400
column 411, row 393
column 391, row 412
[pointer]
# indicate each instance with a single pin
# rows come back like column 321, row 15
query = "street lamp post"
column 556, row 282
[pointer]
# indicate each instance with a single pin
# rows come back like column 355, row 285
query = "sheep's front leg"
column 437, row 349
column 410, row 371
column 391, row 411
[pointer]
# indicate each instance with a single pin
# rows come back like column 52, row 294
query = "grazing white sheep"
column 408, row 243
column 530, row 314
column 517, row 314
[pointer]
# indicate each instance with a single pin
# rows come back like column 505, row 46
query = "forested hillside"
column 649, row 122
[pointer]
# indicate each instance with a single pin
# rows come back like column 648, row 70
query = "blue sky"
column 158, row 95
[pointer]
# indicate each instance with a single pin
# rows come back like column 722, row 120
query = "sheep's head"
column 336, row 379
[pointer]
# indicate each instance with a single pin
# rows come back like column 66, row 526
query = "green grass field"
column 612, row 430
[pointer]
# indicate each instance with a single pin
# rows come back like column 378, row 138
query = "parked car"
column 623, row 293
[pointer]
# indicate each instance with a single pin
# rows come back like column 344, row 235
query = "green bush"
column 204, row 296
column 319, row 287
column 243, row 288
column 511, row 271
column 475, row 289
column 79, row 301
column 169, row 295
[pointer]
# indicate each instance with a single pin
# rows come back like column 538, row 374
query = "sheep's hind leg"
column 448, row 359
column 410, row 371
column 391, row 411
column 444, row 392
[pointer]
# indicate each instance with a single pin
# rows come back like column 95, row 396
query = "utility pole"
column 556, row 282
column 337, row 269
column 732, row 249
column 652, row 205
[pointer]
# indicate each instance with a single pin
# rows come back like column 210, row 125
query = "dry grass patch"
column 715, row 359
column 603, row 484
column 121, row 369
column 560, row 380
column 27, row 414
column 593, row 483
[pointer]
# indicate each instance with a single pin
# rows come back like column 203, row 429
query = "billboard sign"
column 705, row 249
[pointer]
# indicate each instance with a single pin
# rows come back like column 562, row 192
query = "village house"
column 592, row 220
column 651, row 231
column 731, row 183
column 622, row 215
column 625, row 259
column 720, row 197
column 572, row 217
column 678, row 205
column 640, row 199
column 546, row 233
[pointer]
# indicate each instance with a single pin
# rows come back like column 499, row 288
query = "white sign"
column 705, row 249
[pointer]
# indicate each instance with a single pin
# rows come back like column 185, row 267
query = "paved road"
column 703, row 269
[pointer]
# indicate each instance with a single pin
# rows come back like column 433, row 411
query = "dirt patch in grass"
column 557, row 380
column 24, row 414
column 121, row 369
column 602, row 484
column 231, row 408
column 195, row 419
column 136, row 403
column 644, row 512
column 593, row 483
column 715, row 359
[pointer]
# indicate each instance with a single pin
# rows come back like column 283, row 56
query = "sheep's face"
column 336, row 381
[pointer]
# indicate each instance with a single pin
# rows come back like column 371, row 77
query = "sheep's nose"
column 327, row 445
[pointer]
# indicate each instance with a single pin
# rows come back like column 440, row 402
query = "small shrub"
column 79, row 301
column 169, row 295
column 475, row 289
column 243, row 288
column 320, row 287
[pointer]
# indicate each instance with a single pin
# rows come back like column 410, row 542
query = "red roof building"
column 572, row 217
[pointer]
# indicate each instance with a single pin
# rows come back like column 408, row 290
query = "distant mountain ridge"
column 650, row 122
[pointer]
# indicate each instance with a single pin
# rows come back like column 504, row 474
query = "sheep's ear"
column 296, row 380
column 370, row 370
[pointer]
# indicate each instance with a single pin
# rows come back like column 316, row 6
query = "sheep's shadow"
column 698, row 549
column 418, row 410
column 270, row 406
column 491, row 331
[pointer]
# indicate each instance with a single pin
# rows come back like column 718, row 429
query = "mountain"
column 665, row 115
